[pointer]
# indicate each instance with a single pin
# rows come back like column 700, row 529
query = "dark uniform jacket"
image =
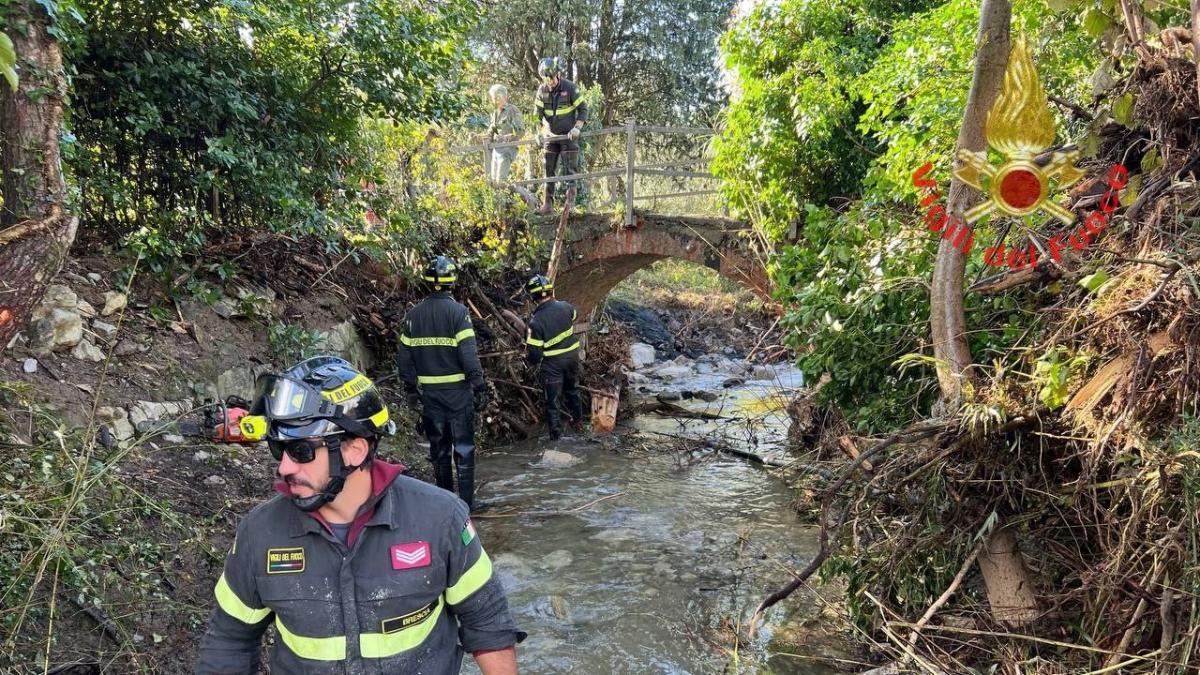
column 561, row 107
column 437, row 346
column 413, row 590
column 551, row 332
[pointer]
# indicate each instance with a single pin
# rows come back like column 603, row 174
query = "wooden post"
column 630, row 158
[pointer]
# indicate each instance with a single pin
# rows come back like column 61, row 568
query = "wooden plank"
column 676, row 163
column 560, row 234
column 574, row 176
column 630, row 160
column 674, row 174
column 677, row 194
column 693, row 130
column 851, row 450
column 467, row 149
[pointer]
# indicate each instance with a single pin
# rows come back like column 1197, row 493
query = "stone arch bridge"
column 600, row 251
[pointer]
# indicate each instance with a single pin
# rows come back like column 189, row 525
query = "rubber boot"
column 466, row 481
column 443, row 473
column 554, row 423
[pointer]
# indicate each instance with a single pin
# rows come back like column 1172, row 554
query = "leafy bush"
column 834, row 107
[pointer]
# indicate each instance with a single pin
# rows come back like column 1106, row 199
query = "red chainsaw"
column 221, row 422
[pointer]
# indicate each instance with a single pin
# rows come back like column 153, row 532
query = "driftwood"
column 671, row 410
column 1001, row 282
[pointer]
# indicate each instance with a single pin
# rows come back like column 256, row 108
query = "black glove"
column 414, row 400
column 481, row 399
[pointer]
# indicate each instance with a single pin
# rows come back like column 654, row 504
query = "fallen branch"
column 1001, row 282
column 942, row 599
column 764, row 337
column 106, row 624
column 916, row 433
column 1079, row 112
column 1130, row 310
column 671, row 410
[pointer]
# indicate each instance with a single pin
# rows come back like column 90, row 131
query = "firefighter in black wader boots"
column 359, row 568
column 551, row 342
column 562, row 113
column 439, row 366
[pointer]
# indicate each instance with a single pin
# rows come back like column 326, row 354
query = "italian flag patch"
column 468, row 532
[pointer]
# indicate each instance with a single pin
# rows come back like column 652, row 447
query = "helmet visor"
column 284, row 399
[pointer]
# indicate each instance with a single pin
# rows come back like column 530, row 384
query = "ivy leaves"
column 8, row 61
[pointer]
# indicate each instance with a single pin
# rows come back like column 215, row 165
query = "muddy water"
column 658, row 577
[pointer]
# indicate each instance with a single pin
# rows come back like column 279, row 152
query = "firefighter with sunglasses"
column 359, row 568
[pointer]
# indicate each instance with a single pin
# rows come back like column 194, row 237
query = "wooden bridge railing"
column 629, row 169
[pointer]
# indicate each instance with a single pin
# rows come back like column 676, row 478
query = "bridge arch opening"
column 596, row 262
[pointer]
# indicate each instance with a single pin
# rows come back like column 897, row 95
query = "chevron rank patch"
column 411, row 555
column 468, row 532
column 285, row 560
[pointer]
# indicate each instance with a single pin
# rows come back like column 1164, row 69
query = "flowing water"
column 660, row 576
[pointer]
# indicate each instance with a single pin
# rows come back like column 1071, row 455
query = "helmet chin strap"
column 338, row 473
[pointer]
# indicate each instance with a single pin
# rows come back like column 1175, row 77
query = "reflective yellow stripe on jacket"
column 438, row 341
column 472, row 580
column 560, row 111
column 441, row 379
column 232, row 605
column 564, row 350
column 317, row 649
column 371, row 645
column 383, row 645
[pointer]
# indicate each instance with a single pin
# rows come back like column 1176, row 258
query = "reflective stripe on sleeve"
column 560, row 337
column 383, row 645
column 428, row 341
column 441, row 379
column 438, row 341
column 564, row 350
column 534, row 342
column 563, row 111
column 232, row 605
column 316, row 649
column 472, row 580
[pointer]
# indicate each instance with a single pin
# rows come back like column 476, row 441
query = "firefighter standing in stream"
column 551, row 343
column 562, row 112
column 443, row 379
column 360, row 568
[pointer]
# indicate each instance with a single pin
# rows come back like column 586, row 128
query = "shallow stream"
column 652, row 558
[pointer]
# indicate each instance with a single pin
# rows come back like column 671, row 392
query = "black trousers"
column 448, row 416
column 570, row 160
column 560, row 384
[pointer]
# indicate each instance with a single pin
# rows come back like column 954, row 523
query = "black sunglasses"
column 302, row 451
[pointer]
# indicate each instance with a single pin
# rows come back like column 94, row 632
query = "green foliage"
column 73, row 523
column 198, row 122
column 653, row 60
column 290, row 343
column 835, row 105
column 1052, row 373
column 8, row 61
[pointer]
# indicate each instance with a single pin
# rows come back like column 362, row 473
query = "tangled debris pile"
column 1085, row 442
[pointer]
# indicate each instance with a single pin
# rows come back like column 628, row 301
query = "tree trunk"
column 1010, row 592
column 1196, row 41
column 37, row 230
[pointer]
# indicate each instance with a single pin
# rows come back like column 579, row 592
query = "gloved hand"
column 541, row 140
column 481, row 399
column 573, row 134
column 414, row 400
